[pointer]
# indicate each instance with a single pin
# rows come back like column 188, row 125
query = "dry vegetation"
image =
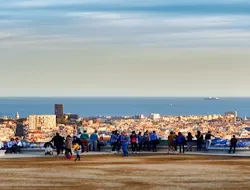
column 134, row 172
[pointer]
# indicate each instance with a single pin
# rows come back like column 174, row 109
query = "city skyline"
column 125, row 49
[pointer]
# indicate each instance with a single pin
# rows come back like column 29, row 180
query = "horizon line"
column 123, row 96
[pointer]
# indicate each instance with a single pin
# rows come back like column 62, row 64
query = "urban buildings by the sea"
column 41, row 128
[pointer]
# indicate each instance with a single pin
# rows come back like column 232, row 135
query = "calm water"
column 124, row 106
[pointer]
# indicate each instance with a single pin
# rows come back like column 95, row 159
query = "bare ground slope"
column 135, row 172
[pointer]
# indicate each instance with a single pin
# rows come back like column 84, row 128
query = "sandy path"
column 135, row 172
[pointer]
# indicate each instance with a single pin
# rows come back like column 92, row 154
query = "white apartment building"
column 154, row 116
column 42, row 122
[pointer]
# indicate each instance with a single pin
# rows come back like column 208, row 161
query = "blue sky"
column 96, row 43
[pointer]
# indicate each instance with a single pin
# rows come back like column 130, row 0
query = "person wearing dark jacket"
column 133, row 140
column 58, row 143
column 181, row 141
column 189, row 142
column 233, row 143
column 200, row 139
column 140, row 141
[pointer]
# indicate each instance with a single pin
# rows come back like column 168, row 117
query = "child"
column 77, row 149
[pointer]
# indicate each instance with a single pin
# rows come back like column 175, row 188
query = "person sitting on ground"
column 11, row 146
column 189, row 142
column 233, row 143
column 48, row 148
column 19, row 145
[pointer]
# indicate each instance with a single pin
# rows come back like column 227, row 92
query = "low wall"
column 159, row 147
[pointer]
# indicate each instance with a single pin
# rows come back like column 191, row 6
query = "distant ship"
column 211, row 98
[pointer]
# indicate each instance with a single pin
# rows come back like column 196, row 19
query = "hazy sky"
column 125, row 48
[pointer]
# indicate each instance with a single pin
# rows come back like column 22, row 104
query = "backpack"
column 133, row 139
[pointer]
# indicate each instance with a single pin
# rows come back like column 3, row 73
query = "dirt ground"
column 135, row 172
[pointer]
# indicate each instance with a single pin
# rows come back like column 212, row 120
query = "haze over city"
column 124, row 48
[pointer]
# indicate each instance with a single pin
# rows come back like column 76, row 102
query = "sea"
column 123, row 106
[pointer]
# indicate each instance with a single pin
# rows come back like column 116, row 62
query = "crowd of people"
column 147, row 141
column 83, row 142
column 179, row 140
column 139, row 142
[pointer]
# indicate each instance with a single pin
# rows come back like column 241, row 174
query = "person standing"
column 133, row 139
column 175, row 141
column 171, row 147
column 119, row 144
column 85, row 140
column 93, row 141
column 68, row 145
column 233, row 143
column 181, row 141
column 113, row 141
column 189, row 142
column 58, row 143
column 140, row 141
column 208, row 139
column 200, row 139
column 146, row 143
column 153, row 139
column 124, row 143
column 80, row 141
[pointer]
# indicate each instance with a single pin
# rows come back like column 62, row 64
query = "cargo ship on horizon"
column 211, row 98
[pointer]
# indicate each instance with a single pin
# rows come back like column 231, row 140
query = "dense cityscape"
column 41, row 128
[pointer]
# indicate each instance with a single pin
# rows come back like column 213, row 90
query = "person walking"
column 200, row 139
column 124, row 143
column 77, row 149
column 181, row 141
column 58, row 143
column 93, row 141
column 68, row 145
column 133, row 140
column 189, row 142
column 233, row 143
